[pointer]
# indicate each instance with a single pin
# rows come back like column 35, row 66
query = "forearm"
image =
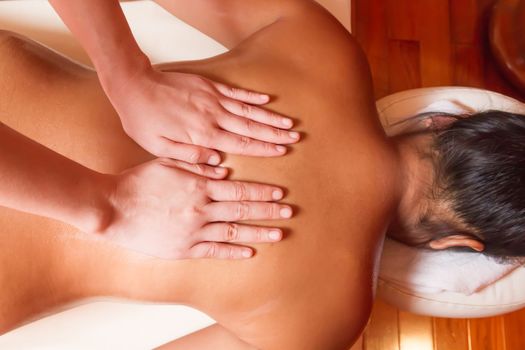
column 102, row 29
column 37, row 180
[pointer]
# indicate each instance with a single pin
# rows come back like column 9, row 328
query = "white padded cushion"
column 433, row 271
column 506, row 294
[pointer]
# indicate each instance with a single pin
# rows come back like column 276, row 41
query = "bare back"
column 318, row 282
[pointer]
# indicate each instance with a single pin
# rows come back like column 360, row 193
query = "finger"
column 235, row 144
column 242, row 191
column 199, row 169
column 239, row 211
column 213, row 250
column 189, row 153
column 243, row 95
column 256, row 130
column 257, row 114
column 235, row 233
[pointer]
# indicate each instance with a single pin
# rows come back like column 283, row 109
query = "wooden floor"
column 420, row 43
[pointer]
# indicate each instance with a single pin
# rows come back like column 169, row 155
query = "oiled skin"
column 311, row 291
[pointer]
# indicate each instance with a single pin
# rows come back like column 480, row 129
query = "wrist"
column 95, row 212
column 116, row 77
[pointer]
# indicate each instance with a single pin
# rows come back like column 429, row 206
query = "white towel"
column 430, row 272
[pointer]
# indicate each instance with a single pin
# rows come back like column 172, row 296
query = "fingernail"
column 214, row 160
column 294, row 135
column 286, row 212
column 277, row 194
column 275, row 235
column 247, row 253
column 264, row 97
column 220, row 170
column 287, row 122
column 280, row 149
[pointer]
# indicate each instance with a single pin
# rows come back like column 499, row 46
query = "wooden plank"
column 514, row 324
column 435, row 47
column 403, row 65
column 465, row 21
column 371, row 32
column 402, row 19
column 468, row 66
column 487, row 334
column 450, row 334
column 382, row 331
column 415, row 332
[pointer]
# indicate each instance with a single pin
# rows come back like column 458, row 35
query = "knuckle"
column 271, row 210
column 240, row 191
column 158, row 147
column 232, row 233
column 259, row 234
column 231, row 252
column 277, row 132
column 194, row 156
column 196, row 99
column 193, row 212
column 212, row 250
column 202, row 184
column 251, row 95
column 205, row 137
column 196, row 185
column 231, row 92
column 199, row 168
column 268, row 147
column 246, row 109
column 244, row 143
column 260, row 193
column 250, row 125
column 242, row 211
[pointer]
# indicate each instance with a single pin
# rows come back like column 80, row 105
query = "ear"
column 439, row 122
column 457, row 241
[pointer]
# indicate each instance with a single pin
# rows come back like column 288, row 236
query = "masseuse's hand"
column 187, row 117
column 170, row 114
column 175, row 210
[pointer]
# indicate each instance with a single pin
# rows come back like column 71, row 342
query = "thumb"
column 190, row 153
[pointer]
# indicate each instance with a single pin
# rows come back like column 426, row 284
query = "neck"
column 414, row 179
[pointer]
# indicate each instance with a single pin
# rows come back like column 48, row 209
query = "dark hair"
column 479, row 163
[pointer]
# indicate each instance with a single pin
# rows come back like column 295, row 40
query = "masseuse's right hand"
column 175, row 210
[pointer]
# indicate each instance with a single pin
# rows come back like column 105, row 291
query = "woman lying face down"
column 349, row 185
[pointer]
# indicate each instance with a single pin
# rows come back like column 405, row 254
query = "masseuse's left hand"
column 170, row 114
column 187, row 117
